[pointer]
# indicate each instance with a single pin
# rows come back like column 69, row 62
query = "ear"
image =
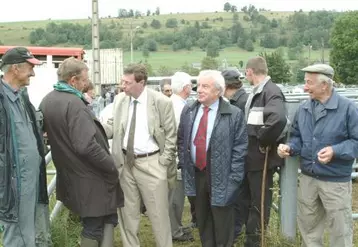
column 72, row 81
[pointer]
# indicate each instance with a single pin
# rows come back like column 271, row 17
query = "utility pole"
column 96, row 68
column 132, row 33
column 322, row 40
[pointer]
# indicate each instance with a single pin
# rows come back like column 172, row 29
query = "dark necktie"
column 130, row 143
column 200, row 140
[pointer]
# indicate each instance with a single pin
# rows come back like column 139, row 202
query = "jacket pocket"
column 231, row 191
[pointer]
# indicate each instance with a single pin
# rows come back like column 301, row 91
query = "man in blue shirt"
column 325, row 136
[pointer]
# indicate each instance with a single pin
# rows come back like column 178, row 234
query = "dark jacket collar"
column 224, row 106
column 237, row 94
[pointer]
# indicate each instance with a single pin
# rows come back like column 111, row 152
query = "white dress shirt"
column 143, row 142
column 178, row 105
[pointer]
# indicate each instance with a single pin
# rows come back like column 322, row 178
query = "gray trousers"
column 321, row 204
column 176, row 207
column 33, row 227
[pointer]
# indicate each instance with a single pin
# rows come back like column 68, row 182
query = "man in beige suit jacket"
column 144, row 153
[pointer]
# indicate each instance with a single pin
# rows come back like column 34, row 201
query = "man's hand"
column 283, row 150
column 325, row 155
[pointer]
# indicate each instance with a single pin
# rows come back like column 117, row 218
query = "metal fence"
column 288, row 182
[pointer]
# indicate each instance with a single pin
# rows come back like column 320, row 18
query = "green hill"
column 17, row 33
column 169, row 42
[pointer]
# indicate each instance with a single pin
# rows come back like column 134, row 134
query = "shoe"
column 186, row 237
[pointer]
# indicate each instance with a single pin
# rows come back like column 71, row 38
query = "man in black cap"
column 234, row 91
column 23, row 187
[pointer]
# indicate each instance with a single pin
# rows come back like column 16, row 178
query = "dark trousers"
column 216, row 224
column 192, row 208
column 93, row 226
column 248, row 207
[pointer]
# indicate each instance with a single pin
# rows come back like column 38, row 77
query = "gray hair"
column 7, row 67
column 70, row 67
column 216, row 75
column 179, row 81
column 323, row 78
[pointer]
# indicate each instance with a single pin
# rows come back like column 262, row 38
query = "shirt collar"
column 11, row 93
column 142, row 99
column 178, row 98
column 214, row 106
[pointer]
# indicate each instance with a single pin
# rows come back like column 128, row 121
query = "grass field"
column 17, row 33
column 65, row 228
column 233, row 55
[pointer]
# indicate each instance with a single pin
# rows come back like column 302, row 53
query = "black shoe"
column 186, row 237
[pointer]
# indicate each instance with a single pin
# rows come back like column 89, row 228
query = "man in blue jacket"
column 212, row 145
column 325, row 136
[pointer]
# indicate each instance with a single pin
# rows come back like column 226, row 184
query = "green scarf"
column 62, row 86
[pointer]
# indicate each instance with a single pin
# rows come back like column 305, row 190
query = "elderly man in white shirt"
column 181, row 86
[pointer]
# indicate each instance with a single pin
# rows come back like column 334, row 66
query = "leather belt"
column 136, row 156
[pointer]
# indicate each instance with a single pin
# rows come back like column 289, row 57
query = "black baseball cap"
column 231, row 76
column 19, row 55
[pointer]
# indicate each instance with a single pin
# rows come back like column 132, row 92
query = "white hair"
column 323, row 78
column 216, row 75
column 179, row 81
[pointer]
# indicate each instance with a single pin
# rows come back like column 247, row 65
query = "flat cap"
column 324, row 69
column 231, row 76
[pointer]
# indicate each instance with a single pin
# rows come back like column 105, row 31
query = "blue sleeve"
column 239, row 149
column 348, row 149
column 295, row 139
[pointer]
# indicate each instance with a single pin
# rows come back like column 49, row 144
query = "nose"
column 305, row 87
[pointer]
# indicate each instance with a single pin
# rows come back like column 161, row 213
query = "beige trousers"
column 146, row 180
column 322, row 204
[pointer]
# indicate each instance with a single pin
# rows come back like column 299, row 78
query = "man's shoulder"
column 158, row 97
column 272, row 88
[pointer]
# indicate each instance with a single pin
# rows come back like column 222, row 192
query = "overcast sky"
column 27, row 10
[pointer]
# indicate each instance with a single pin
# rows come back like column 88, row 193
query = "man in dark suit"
column 87, row 178
column 237, row 96
column 212, row 145
column 234, row 91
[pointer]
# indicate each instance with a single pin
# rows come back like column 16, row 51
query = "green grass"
column 66, row 229
column 175, row 60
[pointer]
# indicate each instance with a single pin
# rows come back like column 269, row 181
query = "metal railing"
column 52, row 187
